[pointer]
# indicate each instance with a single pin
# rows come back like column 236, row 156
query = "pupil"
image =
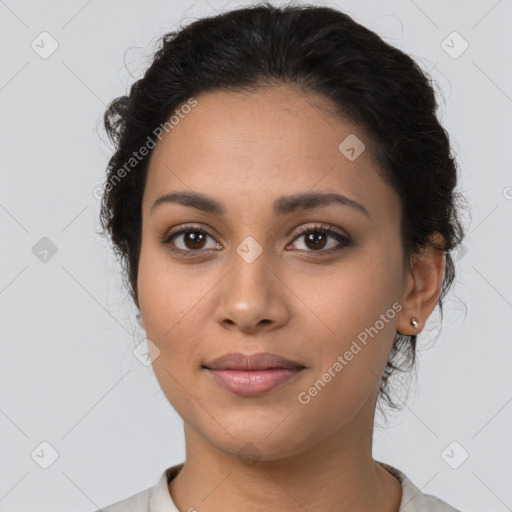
column 194, row 236
column 312, row 237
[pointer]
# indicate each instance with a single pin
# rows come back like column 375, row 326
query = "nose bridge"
column 251, row 262
column 250, row 293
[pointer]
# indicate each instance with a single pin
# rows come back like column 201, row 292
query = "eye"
column 192, row 239
column 315, row 238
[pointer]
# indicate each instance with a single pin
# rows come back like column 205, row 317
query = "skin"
column 245, row 151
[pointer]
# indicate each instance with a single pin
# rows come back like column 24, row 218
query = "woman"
column 283, row 198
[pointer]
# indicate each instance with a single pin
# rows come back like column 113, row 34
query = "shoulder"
column 152, row 499
column 427, row 503
column 136, row 503
column 413, row 500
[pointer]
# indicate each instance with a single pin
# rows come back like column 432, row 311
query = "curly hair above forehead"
column 324, row 52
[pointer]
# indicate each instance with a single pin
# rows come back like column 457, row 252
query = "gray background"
column 68, row 376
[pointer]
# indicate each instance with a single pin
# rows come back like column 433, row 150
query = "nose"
column 253, row 296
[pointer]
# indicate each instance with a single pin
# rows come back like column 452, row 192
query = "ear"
column 422, row 285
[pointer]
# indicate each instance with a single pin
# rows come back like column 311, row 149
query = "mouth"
column 251, row 375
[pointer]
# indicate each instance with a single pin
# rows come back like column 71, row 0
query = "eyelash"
column 344, row 240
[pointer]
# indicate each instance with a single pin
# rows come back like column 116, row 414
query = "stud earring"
column 139, row 320
column 414, row 322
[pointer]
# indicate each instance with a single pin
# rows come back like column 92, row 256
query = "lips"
column 258, row 361
column 254, row 374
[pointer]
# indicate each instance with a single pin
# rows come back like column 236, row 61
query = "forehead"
column 253, row 147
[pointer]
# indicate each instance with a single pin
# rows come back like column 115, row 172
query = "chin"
column 250, row 450
column 258, row 441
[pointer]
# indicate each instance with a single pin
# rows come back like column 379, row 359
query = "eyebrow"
column 282, row 205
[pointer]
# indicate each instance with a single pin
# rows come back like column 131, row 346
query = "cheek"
column 172, row 306
column 351, row 355
column 351, row 296
column 355, row 311
column 168, row 313
column 164, row 294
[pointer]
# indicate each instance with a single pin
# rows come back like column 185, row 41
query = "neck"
column 336, row 474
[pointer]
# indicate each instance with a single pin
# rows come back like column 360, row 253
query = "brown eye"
column 194, row 239
column 189, row 240
column 316, row 239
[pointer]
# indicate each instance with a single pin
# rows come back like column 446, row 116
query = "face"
column 261, row 276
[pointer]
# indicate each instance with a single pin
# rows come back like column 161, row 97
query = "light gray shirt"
column 158, row 499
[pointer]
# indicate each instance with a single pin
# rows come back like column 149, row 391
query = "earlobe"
column 423, row 286
column 415, row 324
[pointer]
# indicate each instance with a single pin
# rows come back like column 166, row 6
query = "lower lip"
column 253, row 382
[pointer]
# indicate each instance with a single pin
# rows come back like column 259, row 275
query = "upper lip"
column 259, row 361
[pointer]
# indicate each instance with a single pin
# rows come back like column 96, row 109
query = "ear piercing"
column 414, row 323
